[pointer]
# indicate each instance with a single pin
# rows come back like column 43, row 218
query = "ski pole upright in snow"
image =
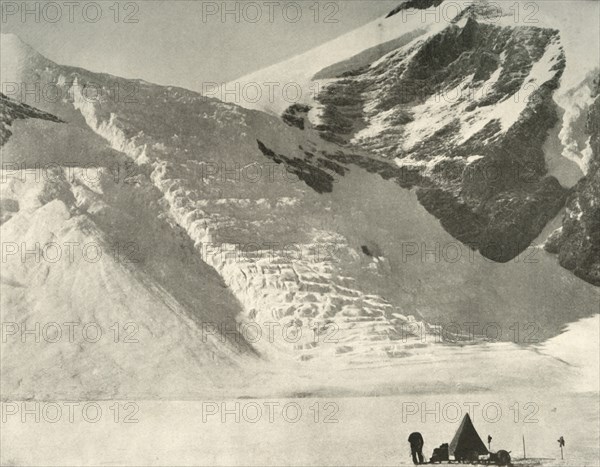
column 524, row 453
column 489, row 442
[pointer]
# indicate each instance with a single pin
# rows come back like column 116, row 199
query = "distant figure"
column 561, row 443
column 416, row 447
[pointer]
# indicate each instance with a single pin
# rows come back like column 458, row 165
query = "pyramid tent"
column 466, row 440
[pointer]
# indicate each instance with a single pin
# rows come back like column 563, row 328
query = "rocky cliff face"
column 468, row 109
column 457, row 103
column 577, row 242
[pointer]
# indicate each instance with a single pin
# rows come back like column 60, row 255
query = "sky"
column 182, row 42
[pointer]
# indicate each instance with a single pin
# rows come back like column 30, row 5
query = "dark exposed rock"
column 577, row 242
column 342, row 114
column 11, row 110
column 295, row 115
column 318, row 179
column 416, row 4
column 332, row 166
column 403, row 176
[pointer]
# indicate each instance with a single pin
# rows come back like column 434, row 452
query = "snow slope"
column 80, row 248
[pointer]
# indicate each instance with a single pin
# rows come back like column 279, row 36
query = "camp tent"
column 466, row 441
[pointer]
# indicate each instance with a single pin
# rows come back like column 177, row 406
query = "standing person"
column 416, row 447
column 561, row 443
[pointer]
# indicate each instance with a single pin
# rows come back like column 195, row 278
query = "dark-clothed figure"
column 416, row 447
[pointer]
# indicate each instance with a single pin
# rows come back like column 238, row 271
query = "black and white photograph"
column 300, row 233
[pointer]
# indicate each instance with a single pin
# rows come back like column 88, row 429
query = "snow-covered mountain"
column 210, row 217
column 481, row 106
